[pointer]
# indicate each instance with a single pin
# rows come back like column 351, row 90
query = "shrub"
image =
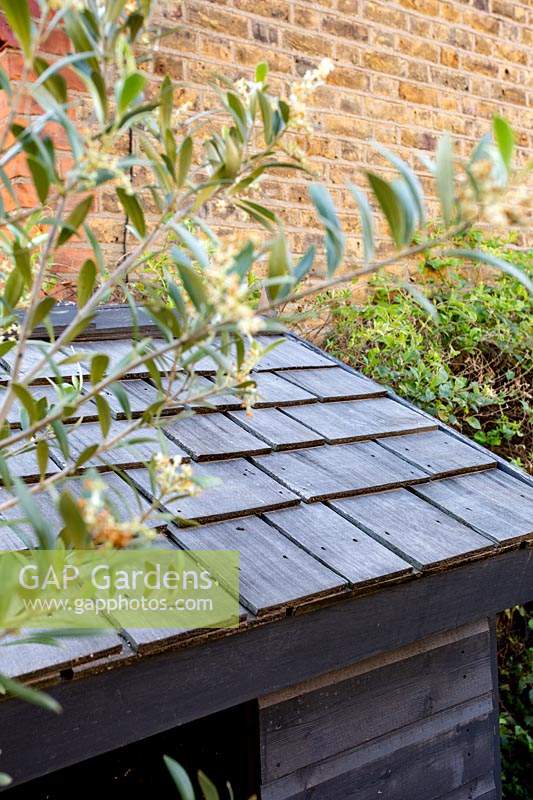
column 472, row 369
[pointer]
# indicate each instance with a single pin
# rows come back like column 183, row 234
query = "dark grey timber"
column 339, row 544
column 335, row 384
column 274, row 572
column 356, row 420
column 414, row 529
column 438, row 453
column 242, row 490
column 110, row 708
column 424, row 770
column 279, row 430
column 342, row 715
column 210, row 436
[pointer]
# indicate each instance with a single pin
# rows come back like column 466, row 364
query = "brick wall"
column 405, row 72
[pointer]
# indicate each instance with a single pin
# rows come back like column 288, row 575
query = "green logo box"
column 148, row 588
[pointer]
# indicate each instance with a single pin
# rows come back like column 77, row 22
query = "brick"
column 218, row 20
column 384, row 62
column 381, row 12
column 418, row 94
column 275, row 9
column 349, row 78
column 418, row 49
column 268, row 34
column 429, row 7
column 349, row 53
column 306, row 43
column 348, row 6
column 164, row 64
column 347, row 30
column 479, row 65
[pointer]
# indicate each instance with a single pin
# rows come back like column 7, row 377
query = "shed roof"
column 333, row 486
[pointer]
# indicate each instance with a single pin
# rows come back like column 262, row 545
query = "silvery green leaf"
column 391, row 206
column 411, row 180
column 334, row 236
column 505, row 140
column 367, row 222
column 444, row 177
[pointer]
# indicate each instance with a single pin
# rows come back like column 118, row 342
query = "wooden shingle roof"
column 334, row 486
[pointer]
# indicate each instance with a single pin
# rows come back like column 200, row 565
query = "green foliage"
column 472, row 369
column 515, row 660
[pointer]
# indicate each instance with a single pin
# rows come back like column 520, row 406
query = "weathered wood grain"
column 277, row 429
column 403, row 765
column 334, row 383
column 414, row 529
column 23, row 464
column 479, row 789
column 109, row 322
column 9, row 539
column 140, row 394
column 33, row 354
column 323, row 723
column 290, row 354
column 340, row 545
column 125, row 455
column 15, row 515
column 119, row 352
column 438, row 453
column 491, row 502
column 124, row 501
column 274, row 390
column 242, row 489
column 425, row 645
column 274, row 572
column 209, row 436
column 196, row 392
column 318, row 473
column 149, row 640
column 130, row 701
column 360, row 419
column 27, row 661
column 195, row 359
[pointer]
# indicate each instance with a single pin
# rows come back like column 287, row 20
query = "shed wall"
column 418, row 723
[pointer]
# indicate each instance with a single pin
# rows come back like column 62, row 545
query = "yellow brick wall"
column 405, row 71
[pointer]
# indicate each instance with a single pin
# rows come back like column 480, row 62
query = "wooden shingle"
column 438, row 453
column 290, row 354
column 339, row 544
column 334, row 383
column 274, row 572
column 130, row 453
column 209, row 436
column 414, row 529
column 279, row 390
column 27, row 661
column 279, row 430
column 356, row 420
column 491, row 502
column 242, row 489
column 318, row 473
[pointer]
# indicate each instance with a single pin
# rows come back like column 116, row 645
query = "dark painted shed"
column 387, row 543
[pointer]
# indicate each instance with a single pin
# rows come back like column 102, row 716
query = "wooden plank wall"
column 416, row 723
